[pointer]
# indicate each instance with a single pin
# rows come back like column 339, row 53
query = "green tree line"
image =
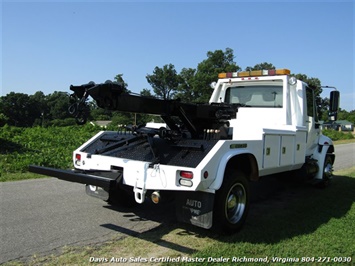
column 190, row 85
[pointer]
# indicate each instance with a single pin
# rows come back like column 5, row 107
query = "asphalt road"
column 344, row 156
column 42, row 216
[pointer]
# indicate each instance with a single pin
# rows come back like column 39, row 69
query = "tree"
column 185, row 90
column 146, row 92
column 207, row 72
column 19, row 109
column 3, row 119
column 58, row 104
column 261, row 66
column 164, row 81
column 345, row 115
column 40, row 107
column 351, row 116
column 100, row 114
column 119, row 78
column 324, row 109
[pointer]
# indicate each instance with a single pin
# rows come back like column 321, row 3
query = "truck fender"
column 324, row 140
column 325, row 146
column 226, row 158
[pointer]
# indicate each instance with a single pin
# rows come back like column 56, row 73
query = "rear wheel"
column 232, row 202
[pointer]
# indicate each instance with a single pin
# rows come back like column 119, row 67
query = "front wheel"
column 327, row 171
column 232, row 202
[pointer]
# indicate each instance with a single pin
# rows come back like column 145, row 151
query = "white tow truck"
column 256, row 123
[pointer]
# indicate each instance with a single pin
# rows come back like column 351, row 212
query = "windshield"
column 255, row 96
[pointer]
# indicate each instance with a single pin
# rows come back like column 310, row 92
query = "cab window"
column 311, row 106
column 255, row 96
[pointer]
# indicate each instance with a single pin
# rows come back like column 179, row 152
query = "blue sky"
column 49, row 45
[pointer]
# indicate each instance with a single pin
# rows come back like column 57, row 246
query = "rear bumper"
column 105, row 179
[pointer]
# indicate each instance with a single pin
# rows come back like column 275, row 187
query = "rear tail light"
column 186, row 178
column 78, row 159
column 186, row 174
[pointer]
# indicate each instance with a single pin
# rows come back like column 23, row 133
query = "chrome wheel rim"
column 328, row 171
column 235, row 203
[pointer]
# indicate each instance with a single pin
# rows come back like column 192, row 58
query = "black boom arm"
column 113, row 96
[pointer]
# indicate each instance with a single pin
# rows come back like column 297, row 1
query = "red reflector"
column 78, row 156
column 272, row 72
column 186, row 174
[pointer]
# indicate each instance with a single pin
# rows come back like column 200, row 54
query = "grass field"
column 299, row 223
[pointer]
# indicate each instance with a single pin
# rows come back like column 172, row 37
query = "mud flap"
column 97, row 192
column 195, row 208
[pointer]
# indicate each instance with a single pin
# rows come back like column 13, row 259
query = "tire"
column 232, row 202
column 327, row 171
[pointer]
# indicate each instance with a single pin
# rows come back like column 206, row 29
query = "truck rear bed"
column 184, row 152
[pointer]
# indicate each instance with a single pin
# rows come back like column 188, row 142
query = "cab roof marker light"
column 255, row 73
column 244, row 74
column 222, row 75
column 271, row 72
column 283, row 71
column 228, row 75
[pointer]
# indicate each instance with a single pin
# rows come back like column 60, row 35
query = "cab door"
column 311, row 120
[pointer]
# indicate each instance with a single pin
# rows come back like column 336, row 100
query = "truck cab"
column 278, row 109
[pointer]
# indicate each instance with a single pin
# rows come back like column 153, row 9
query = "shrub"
column 337, row 135
column 51, row 147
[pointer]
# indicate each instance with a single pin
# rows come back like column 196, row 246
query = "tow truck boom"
column 112, row 96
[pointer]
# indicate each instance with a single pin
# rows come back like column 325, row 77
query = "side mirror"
column 334, row 105
column 334, row 101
